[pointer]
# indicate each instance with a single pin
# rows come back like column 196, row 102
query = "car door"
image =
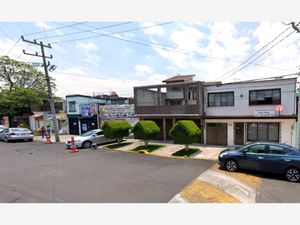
column 253, row 154
column 276, row 160
column 99, row 138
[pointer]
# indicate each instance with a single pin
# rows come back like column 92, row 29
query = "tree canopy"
column 18, row 74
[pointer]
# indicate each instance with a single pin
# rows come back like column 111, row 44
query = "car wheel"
column 87, row 144
column 292, row 174
column 231, row 165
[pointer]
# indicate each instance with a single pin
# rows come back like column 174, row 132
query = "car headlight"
column 222, row 154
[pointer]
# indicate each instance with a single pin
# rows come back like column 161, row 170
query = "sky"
column 101, row 57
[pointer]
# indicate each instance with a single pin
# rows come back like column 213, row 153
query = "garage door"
column 216, row 133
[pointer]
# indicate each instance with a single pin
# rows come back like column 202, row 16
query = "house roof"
column 178, row 78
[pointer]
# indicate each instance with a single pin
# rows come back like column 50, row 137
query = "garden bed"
column 149, row 148
column 187, row 153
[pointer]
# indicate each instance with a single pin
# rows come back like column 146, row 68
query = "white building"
column 242, row 112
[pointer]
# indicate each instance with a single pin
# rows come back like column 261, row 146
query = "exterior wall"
column 241, row 98
column 80, row 100
column 286, row 129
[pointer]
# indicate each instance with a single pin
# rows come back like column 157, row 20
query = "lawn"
column 118, row 145
column 183, row 152
column 149, row 148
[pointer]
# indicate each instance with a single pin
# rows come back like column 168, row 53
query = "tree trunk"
column 119, row 140
column 186, row 147
column 146, row 143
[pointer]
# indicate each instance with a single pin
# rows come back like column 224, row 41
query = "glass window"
column 72, row 107
column 264, row 97
column 100, row 133
column 221, row 99
column 257, row 149
column 263, row 132
column 274, row 149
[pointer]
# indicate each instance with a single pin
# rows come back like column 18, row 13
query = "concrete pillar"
column 174, row 120
column 230, row 133
column 164, row 129
column 158, row 96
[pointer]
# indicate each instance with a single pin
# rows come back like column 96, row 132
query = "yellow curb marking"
column 250, row 180
column 202, row 192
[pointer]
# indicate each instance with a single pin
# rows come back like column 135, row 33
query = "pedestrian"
column 43, row 130
column 48, row 130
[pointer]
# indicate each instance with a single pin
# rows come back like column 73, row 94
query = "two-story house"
column 228, row 114
column 178, row 98
column 241, row 112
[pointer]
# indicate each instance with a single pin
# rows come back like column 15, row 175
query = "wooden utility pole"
column 47, row 78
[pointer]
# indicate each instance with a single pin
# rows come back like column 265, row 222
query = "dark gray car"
column 263, row 156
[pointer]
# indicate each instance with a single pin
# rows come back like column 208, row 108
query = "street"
column 37, row 172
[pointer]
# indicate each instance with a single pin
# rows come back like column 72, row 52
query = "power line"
column 57, row 28
column 244, row 62
column 84, row 31
column 119, row 32
column 259, row 55
column 178, row 50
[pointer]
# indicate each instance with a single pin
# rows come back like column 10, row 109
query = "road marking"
column 230, row 185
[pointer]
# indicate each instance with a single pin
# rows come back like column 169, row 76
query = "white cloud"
column 93, row 59
column 146, row 73
column 142, row 70
column 88, row 46
column 45, row 26
column 155, row 30
column 15, row 50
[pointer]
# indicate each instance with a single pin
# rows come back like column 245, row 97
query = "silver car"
column 87, row 139
column 11, row 134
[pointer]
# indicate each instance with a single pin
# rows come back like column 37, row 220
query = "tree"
column 116, row 129
column 18, row 101
column 145, row 130
column 15, row 74
column 185, row 132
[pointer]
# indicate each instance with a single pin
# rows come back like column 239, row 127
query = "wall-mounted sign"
column 264, row 113
column 89, row 109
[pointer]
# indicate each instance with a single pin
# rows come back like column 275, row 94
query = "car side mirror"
column 94, row 135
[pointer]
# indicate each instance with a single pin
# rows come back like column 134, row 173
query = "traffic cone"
column 73, row 146
column 48, row 138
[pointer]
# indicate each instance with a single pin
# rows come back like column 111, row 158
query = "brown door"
column 216, row 134
column 239, row 133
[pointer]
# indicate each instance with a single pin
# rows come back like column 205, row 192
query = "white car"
column 12, row 134
column 87, row 139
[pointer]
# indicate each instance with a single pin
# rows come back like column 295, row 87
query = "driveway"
column 37, row 172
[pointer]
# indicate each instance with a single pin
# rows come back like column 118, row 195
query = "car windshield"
column 89, row 133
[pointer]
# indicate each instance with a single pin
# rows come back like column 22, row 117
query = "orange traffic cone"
column 48, row 138
column 73, row 146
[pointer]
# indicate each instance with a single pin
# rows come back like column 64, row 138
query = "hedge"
column 116, row 129
column 145, row 130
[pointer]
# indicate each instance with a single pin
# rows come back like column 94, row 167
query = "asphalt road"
column 37, row 172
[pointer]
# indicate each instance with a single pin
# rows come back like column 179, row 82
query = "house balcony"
column 174, row 95
column 168, row 110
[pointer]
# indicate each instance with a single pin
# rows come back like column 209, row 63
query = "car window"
column 256, row 149
column 5, row 131
column 278, row 150
column 91, row 132
column 20, row 129
column 100, row 133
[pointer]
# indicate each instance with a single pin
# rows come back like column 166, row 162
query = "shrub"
column 185, row 132
column 116, row 129
column 145, row 130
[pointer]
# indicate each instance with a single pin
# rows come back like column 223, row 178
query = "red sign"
column 279, row 108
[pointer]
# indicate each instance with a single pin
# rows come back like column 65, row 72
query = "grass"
column 150, row 148
column 119, row 145
column 183, row 152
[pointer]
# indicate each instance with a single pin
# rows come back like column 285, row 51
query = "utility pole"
column 47, row 78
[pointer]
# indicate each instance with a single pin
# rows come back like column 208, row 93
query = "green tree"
column 18, row 101
column 185, row 132
column 145, row 130
column 116, row 129
column 15, row 74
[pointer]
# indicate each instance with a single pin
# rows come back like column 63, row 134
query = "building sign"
column 89, row 109
column 118, row 112
column 264, row 113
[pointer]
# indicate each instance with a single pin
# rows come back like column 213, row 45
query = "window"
column 192, row 94
column 175, row 88
column 265, row 97
column 256, row 149
column 175, row 102
column 72, row 107
column 263, row 132
column 278, row 150
column 99, row 133
column 221, row 99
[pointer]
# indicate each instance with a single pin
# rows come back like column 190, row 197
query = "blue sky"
column 88, row 62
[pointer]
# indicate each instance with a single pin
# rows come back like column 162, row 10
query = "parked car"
column 87, row 139
column 263, row 156
column 10, row 134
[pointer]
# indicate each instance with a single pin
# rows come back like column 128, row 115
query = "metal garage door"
column 216, row 133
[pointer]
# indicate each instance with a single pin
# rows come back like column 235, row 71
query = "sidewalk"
column 63, row 138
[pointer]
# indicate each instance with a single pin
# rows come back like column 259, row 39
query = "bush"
column 145, row 130
column 185, row 132
column 116, row 129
